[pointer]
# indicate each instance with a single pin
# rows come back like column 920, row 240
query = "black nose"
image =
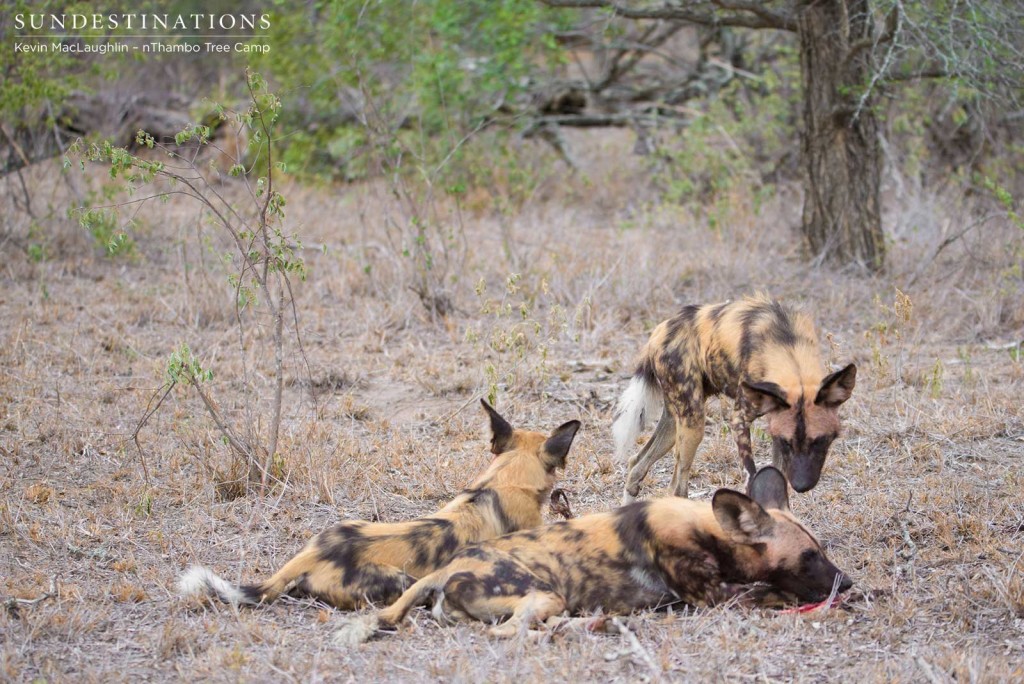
column 802, row 484
column 803, row 479
column 845, row 583
column 801, row 487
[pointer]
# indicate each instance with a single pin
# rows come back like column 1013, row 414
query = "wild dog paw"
column 355, row 630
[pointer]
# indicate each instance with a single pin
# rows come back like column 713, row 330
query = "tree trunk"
column 841, row 153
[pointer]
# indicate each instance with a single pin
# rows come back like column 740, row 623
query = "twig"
column 448, row 418
column 225, row 430
column 14, row 604
column 1006, row 346
column 636, row 647
column 950, row 240
column 14, row 145
column 911, row 548
column 150, row 410
column 930, row 672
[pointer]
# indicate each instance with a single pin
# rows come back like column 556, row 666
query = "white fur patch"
column 637, row 403
column 200, row 580
column 355, row 631
column 648, row 581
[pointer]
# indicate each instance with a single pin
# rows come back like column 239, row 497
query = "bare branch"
column 920, row 74
column 757, row 18
column 893, row 26
column 592, row 120
column 636, row 49
column 151, row 409
column 221, row 424
column 774, row 19
column 14, row 604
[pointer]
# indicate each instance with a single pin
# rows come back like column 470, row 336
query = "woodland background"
column 278, row 306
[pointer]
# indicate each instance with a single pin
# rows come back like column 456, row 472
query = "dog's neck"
column 702, row 547
column 486, row 512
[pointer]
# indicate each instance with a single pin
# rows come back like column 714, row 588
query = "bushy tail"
column 641, row 400
column 200, row 580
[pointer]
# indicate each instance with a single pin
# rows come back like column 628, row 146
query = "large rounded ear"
column 770, row 489
column 556, row 448
column 501, row 431
column 837, row 387
column 764, row 397
column 742, row 518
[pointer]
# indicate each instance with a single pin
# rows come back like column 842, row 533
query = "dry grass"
column 922, row 501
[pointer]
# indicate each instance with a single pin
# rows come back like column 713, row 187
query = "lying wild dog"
column 643, row 555
column 756, row 352
column 355, row 563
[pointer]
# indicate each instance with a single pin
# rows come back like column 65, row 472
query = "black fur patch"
column 645, row 371
column 501, row 431
column 492, row 500
column 509, row 578
column 558, row 444
column 684, row 319
column 716, row 313
column 724, row 556
column 425, row 537
column 343, row 546
column 781, row 329
column 253, row 592
column 633, row 530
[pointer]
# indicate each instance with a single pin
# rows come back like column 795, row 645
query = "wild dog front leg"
column 739, row 423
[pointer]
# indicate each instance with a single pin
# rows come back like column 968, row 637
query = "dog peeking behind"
column 647, row 554
column 755, row 351
column 356, row 563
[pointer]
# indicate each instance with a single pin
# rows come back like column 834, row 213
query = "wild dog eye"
column 808, row 555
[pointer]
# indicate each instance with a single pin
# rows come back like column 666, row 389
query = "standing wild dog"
column 355, row 563
column 646, row 554
column 756, row 352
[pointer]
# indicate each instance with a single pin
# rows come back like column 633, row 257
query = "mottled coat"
column 763, row 356
column 642, row 555
column 355, row 563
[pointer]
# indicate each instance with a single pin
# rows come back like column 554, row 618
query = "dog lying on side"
column 756, row 352
column 644, row 555
column 355, row 563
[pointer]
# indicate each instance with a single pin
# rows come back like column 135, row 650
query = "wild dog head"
column 522, row 457
column 802, row 423
column 785, row 554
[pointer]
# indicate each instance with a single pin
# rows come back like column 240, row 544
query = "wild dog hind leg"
column 657, row 446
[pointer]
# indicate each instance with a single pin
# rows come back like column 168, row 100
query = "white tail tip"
column 355, row 631
column 637, row 403
column 199, row 580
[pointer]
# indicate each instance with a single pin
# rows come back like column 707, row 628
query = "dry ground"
column 922, row 500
